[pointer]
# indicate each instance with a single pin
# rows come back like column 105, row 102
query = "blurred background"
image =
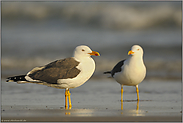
column 36, row 33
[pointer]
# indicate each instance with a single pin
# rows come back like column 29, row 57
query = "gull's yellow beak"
column 130, row 52
column 94, row 53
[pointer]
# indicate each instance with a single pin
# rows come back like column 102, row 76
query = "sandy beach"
column 86, row 115
column 96, row 100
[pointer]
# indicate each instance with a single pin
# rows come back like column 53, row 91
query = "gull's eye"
column 138, row 49
column 83, row 50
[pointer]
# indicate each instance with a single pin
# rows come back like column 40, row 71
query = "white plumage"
column 131, row 71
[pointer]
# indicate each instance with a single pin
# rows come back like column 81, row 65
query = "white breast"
column 132, row 73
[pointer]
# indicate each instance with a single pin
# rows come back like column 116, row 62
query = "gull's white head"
column 84, row 51
column 136, row 50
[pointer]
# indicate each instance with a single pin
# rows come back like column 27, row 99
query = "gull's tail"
column 16, row 78
column 107, row 72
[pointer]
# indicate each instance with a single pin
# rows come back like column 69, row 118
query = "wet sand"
column 96, row 100
column 87, row 115
column 83, row 115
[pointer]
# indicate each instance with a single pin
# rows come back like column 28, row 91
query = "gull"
column 131, row 71
column 65, row 74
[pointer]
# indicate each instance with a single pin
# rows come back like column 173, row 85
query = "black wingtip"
column 9, row 79
column 107, row 72
column 16, row 78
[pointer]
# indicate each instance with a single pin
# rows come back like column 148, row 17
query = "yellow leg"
column 69, row 96
column 121, row 93
column 137, row 105
column 137, row 90
column 66, row 94
column 121, row 97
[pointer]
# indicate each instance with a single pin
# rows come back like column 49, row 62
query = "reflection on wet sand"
column 135, row 112
column 80, row 112
column 92, row 112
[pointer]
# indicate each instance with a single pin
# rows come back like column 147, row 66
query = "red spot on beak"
column 94, row 53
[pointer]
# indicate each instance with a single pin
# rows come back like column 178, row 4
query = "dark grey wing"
column 60, row 69
column 117, row 68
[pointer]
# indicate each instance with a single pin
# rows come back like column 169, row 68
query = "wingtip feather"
column 107, row 72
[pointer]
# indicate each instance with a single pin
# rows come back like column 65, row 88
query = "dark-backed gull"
column 63, row 74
